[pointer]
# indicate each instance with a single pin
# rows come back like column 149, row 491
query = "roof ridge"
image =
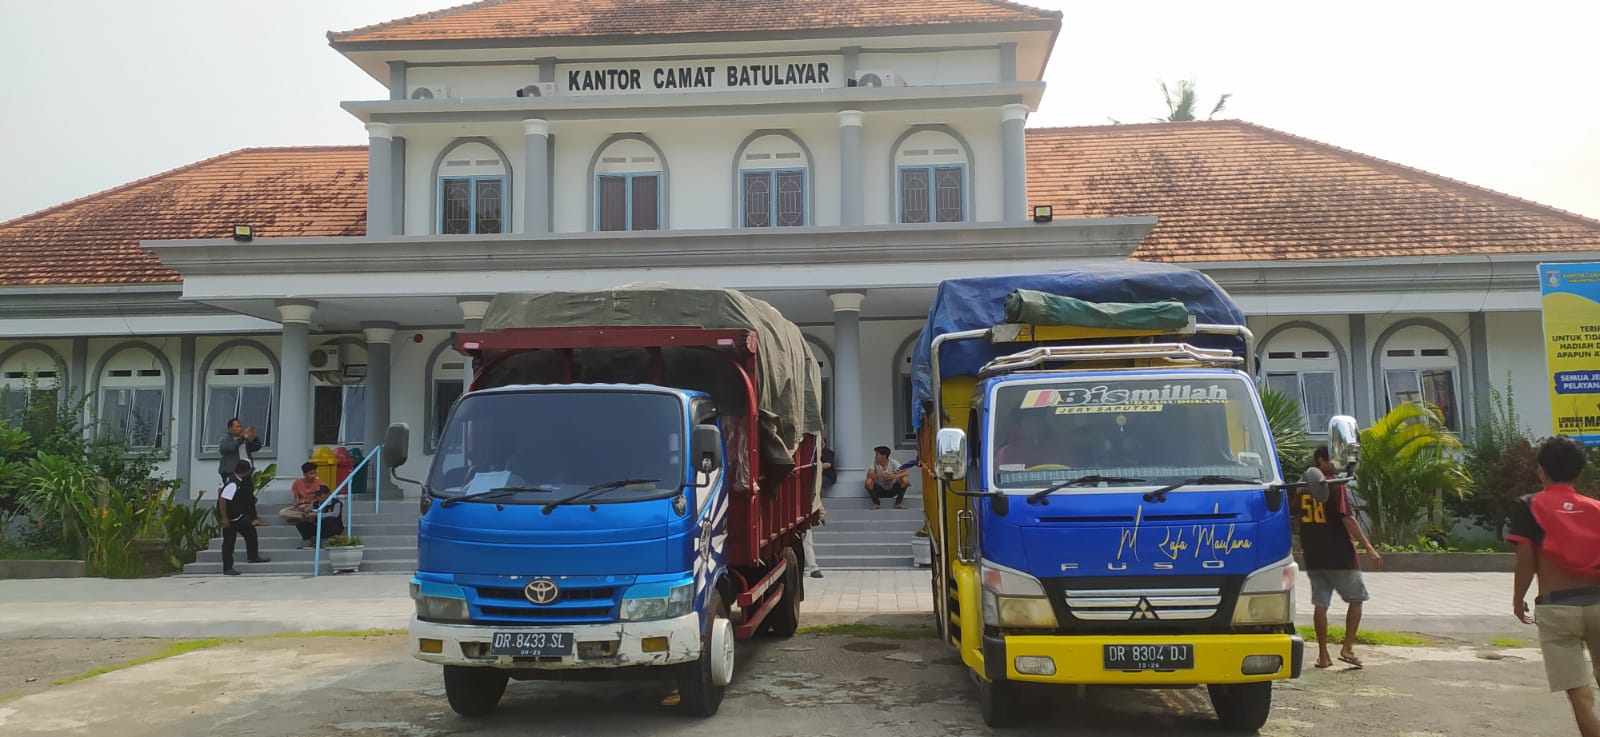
column 76, row 201
column 1376, row 161
column 336, row 36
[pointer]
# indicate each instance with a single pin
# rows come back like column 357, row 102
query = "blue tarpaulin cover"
column 976, row 303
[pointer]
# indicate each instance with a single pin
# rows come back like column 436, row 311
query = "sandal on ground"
column 1328, row 664
column 873, row 507
column 1354, row 661
column 901, row 506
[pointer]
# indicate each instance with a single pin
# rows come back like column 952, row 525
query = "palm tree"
column 1409, row 460
column 1288, row 424
column 1182, row 99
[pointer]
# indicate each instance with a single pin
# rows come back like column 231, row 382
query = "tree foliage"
column 1288, row 424
column 1183, row 100
column 1408, row 459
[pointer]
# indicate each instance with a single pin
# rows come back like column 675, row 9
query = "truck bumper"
column 1079, row 659
column 614, row 645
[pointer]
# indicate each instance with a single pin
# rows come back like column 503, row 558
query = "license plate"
column 531, row 644
column 1149, row 657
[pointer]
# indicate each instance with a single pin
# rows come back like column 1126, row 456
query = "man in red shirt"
column 1557, row 534
column 1327, row 527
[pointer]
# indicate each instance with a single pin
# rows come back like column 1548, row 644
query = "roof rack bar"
column 1168, row 351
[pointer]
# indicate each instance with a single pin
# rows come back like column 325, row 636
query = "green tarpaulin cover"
column 1040, row 308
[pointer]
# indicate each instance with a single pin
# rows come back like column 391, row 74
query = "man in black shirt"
column 1326, row 529
column 236, row 508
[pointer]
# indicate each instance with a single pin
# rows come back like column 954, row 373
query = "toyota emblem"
column 541, row 591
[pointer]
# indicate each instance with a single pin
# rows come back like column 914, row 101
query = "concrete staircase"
column 857, row 537
column 390, row 538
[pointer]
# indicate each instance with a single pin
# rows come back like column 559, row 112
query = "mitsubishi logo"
column 541, row 591
column 1143, row 610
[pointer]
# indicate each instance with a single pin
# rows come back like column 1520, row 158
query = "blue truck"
column 1104, row 497
column 621, row 493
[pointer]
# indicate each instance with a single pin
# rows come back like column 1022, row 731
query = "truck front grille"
column 573, row 605
column 1145, row 604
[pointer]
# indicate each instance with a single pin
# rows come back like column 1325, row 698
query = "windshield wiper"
column 495, row 493
column 596, row 490
column 1160, row 495
column 1039, row 495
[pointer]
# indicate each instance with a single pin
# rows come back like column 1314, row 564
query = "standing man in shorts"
column 1327, row 528
column 1557, row 534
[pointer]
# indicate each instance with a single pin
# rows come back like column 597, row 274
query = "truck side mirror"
column 950, row 454
column 396, row 445
column 1344, row 442
column 706, row 447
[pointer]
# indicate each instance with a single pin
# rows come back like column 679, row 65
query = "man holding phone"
column 240, row 444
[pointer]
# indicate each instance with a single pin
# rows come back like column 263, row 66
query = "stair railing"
column 349, row 508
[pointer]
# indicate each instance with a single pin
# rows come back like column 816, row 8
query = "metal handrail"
column 349, row 509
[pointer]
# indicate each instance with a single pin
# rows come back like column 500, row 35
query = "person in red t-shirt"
column 1557, row 534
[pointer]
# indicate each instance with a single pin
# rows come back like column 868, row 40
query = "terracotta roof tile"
column 1234, row 191
column 282, row 192
column 527, row 19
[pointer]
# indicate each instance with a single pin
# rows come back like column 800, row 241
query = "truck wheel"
column 1242, row 707
column 784, row 618
column 702, row 683
column 1001, row 703
column 474, row 692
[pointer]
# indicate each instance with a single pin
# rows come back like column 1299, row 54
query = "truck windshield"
column 1142, row 431
column 540, row 445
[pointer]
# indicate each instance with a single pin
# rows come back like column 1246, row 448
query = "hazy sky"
column 1502, row 94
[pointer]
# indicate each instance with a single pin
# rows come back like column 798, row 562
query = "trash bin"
column 327, row 466
column 344, row 465
column 358, row 485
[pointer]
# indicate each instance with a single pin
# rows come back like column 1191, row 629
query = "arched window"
column 1420, row 364
column 628, row 185
column 773, row 186
column 905, row 423
column 240, row 381
column 1304, row 365
column 931, row 173
column 472, row 190
column 446, row 383
column 339, row 392
column 133, row 383
column 30, row 387
column 824, row 359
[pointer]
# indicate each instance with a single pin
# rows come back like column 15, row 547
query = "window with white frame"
column 133, row 399
column 1304, row 366
column 628, row 187
column 931, row 178
column 772, row 183
column 239, row 383
column 472, row 191
column 1419, row 365
column 30, row 389
column 447, row 386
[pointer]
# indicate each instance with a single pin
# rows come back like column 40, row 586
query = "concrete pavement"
column 215, row 606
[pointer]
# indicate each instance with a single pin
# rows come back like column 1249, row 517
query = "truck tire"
column 1001, row 703
column 784, row 618
column 699, row 694
column 1241, row 707
column 474, row 692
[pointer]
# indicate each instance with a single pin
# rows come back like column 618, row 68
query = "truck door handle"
column 964, row 520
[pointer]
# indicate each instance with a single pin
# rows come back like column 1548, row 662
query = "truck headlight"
column 1267, row 596
column 645, row 601
column 1012, row 598
column 439, row 602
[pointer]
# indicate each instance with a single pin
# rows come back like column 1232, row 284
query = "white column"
column 851, row 189
column 1014, row 163
column 380, row 179
column 292, row 431
column 849, row 444
column 380, row 338
column 472, row 311
column 536, row 176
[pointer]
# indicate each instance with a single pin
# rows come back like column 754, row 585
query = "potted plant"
column 921, row 548
column 344, row 553
column 149, row 539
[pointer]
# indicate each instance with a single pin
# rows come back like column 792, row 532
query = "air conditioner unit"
column 537, row 89
column 428, row 92
column 876, row 79
column 335, row 364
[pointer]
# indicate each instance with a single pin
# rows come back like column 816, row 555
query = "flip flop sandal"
column 1322, row 665
column 1354, row 661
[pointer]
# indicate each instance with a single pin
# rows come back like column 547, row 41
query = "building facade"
column 836, row 163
